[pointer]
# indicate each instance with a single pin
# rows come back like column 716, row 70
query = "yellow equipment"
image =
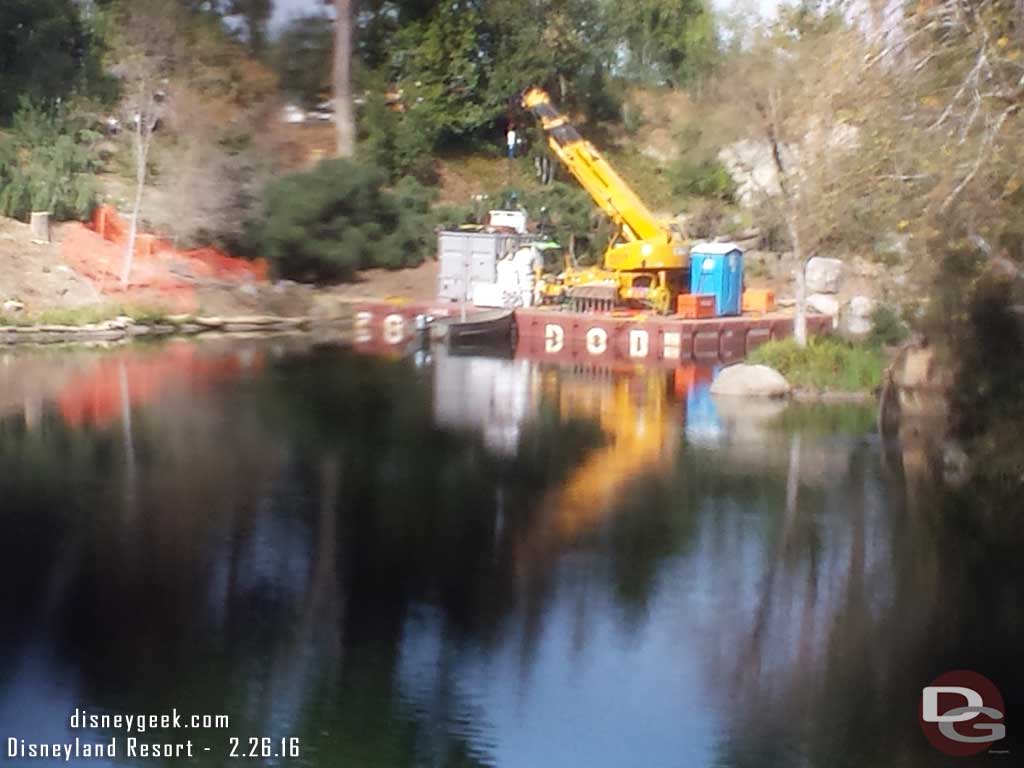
column 645, row 261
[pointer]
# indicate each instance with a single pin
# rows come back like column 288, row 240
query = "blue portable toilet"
column 717, row 269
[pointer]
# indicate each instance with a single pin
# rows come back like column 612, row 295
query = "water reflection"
column 479, row 562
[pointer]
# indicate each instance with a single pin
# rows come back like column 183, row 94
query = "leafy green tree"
column 255, row 15
column 329, row 222
column 44, row 51
column 302, row 58
column 567, row 213
column 392, row 142
column 666, row 41
column 48, row 162
column 442, row 71
column 562, row 45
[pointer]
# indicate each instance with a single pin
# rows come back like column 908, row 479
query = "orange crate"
column 758, row 300
column 695, row 306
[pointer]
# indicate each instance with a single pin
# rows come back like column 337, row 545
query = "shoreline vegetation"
column 828, row 369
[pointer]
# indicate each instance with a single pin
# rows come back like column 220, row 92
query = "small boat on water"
column 489, row 328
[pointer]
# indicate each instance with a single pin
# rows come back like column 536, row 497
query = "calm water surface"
column 471, row 562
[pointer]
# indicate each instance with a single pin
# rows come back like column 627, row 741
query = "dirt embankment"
column 35, row 281
column 33, row 274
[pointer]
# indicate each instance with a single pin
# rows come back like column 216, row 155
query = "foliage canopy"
column 48, row 163
column 339, row 217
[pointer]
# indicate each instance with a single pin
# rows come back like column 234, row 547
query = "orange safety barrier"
column 159, row 269
column 695, row 306
column 758, row 300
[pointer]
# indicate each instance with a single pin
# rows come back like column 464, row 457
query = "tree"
column 302, row 58
column 803, row 94
column 344, row 114
column 255, row 14
column 145, row 63
column 666, row 41
column 44, row 51
column 442, row 71
column 48, row 162
column 340, row 217
column 574, row 45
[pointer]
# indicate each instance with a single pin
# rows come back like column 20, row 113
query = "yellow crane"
column 646, row 259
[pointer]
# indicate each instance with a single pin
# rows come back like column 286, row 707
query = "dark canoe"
column 480, row 328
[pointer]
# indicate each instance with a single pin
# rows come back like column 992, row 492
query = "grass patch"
column 825, row 364
column 88, row 315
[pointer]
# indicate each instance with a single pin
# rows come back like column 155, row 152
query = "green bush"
column 698, row 172
column 825, row 364
column 48, row 162
column 886, row 327
column 706, row 178
column 340, row 217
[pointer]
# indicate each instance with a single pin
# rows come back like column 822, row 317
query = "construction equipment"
column 645, row 263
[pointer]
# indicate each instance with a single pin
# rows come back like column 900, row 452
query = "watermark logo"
column 962, row 713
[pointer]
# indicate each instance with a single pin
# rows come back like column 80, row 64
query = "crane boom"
column 609, row 190
column 645, row 261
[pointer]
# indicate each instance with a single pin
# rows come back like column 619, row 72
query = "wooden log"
column 40, row 225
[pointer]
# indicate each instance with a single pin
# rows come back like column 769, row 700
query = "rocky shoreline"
column 126, row 328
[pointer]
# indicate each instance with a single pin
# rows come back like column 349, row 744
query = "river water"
column 467, row 561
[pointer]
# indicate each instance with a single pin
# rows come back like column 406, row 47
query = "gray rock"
column 862, row 306
column 857, row 316
column 824, row 275
column 750, row 381
column 13, row 306
column 823, row 304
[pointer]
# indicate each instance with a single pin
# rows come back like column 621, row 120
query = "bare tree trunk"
column 770, row 116
column 800, row 294
column 142, row 137
column 344, row 118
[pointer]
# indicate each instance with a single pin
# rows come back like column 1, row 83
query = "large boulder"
column 751, row 381
column 858, row 315
column 823, row 304
column 824, row 275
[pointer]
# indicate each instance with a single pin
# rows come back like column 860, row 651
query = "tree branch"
column 983, row 151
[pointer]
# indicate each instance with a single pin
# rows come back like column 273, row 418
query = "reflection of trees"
column 862, row 598
column 282, row 531
column 310, row 553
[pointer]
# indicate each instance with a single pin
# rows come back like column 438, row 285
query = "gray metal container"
column 471, row 257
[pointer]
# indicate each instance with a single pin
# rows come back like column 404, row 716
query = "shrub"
column 886, row 327
column 707, row 178
column 327, row 223
column 705, row 218
column 48, row 162
column 825, row 364
column 698, row 172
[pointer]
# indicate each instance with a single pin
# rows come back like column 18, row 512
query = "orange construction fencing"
column 97, row 251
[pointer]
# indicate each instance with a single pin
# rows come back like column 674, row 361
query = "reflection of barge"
column 638, row 338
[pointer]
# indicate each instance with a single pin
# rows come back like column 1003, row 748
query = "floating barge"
column 588, row 337
column 493, row 326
